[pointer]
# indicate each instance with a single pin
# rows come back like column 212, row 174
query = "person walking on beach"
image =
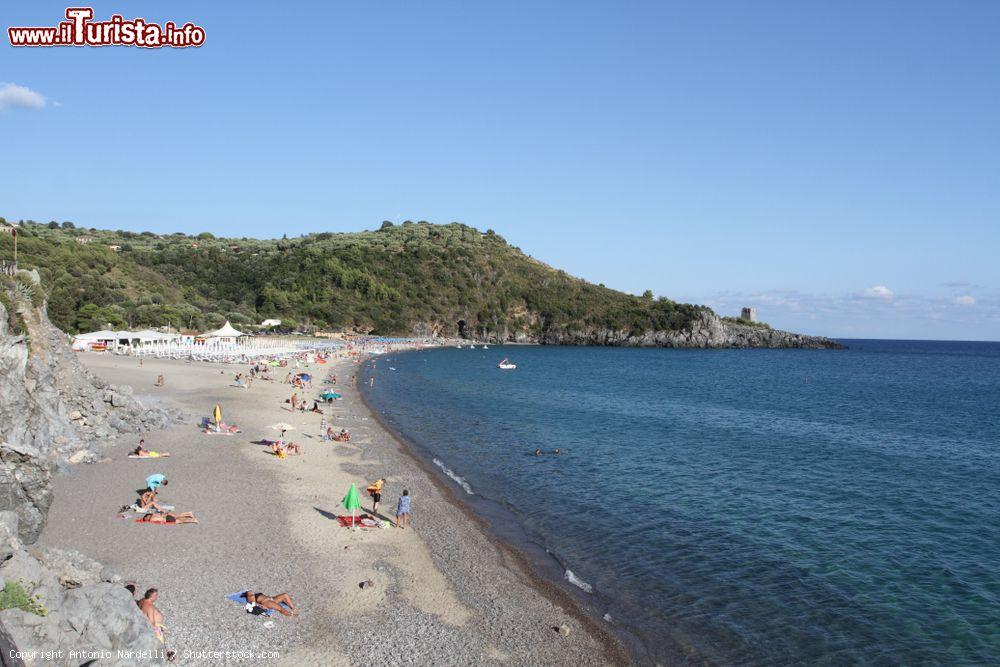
column 403, row 510
column 294, row 401
column 322, row 429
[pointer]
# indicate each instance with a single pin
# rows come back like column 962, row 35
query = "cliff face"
column 706, row 331
column 53, row 412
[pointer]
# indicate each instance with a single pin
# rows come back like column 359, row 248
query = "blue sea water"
column 739, row 506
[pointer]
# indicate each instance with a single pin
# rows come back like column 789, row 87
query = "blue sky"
column 836, row 165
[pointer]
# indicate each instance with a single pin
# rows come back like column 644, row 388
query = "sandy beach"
column 444, row 591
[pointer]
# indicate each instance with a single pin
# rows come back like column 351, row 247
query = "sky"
column 835, row 165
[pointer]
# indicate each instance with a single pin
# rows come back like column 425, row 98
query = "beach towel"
column 151, row 455
column 347, row 521
column 242, row 601
column 156, row 480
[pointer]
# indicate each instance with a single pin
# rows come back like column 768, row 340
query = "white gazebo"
column 226, row 335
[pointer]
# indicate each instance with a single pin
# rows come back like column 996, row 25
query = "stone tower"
column 749, row 314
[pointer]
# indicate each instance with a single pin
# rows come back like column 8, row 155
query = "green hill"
column 414, row 278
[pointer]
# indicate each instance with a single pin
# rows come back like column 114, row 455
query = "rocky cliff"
column 705, row 331
column 54, row 413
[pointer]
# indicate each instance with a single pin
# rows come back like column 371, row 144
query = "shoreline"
column 617, row 647
column 446, row 590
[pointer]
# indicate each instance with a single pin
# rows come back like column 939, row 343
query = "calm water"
column 754, row 507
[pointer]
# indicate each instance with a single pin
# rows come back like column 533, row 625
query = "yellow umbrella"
column 218, row 414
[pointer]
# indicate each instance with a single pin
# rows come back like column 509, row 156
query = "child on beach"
column 403, row 510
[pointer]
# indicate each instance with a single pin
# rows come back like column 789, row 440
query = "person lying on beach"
column 168, row 517
column 343, row 436
column 149, row 454
column 316, row 408
column 222, row 427
column 272, row 602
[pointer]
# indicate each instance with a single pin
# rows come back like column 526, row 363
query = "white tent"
column 224, row 336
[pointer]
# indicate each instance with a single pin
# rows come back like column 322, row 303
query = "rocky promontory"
column 707, row 331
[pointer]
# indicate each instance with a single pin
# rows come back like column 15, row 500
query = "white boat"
column 459, row 346
column 472, row 347
column 486, row 347
column 505, row 365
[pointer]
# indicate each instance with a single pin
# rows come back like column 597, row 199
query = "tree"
column 648, row 295
column 386, row 224
column 206, row 236
column 68, row 225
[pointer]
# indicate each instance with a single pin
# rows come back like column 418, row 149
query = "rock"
column 9, row 540
column 365, row 585
column 75, row 415
column 25, row 488
column 564, row 630
column 81, row 456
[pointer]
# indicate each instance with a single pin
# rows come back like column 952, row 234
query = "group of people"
column 283, row 449
column 402, row 504
column 149, row 506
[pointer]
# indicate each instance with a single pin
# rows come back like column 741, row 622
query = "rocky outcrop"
column 76, row 605
column 53, row 412
column 706, row 331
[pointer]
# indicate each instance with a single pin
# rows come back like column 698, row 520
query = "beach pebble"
column 564, row 630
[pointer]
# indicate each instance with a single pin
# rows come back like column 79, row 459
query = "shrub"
column 13, row 596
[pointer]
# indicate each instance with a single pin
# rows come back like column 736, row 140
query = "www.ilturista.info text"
column 81, row 30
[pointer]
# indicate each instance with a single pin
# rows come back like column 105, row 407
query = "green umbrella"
column 352, row 503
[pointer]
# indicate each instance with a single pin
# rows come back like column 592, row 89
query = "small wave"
column 579, row 583
column 458, row 478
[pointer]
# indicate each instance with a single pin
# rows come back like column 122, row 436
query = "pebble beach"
column 442, row 592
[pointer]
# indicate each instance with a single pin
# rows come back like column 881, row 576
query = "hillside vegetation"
column 414, row 278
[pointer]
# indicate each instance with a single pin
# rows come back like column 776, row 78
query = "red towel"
column 349, row 522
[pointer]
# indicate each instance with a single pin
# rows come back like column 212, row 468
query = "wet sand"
column 444, row 591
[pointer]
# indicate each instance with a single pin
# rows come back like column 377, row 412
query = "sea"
column 734, row 507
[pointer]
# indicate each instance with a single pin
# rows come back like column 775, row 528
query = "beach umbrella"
column 352, row 503
column 217, row 413
column 305, row 376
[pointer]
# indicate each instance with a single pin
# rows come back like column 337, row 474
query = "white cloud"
column 965, row 300
column 13, row 96
column 878, row 292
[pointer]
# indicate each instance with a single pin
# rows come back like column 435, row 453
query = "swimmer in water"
column 556, row 451
column 538, row 452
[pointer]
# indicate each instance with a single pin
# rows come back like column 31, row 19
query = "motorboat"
column 505, row 365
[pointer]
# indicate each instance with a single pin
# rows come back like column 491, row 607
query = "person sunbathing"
column 149, row 454
column 147, row 501
column 168, row 517
column 276, row 603
column 343, row 436
column 221, row 427
column 316, row 407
